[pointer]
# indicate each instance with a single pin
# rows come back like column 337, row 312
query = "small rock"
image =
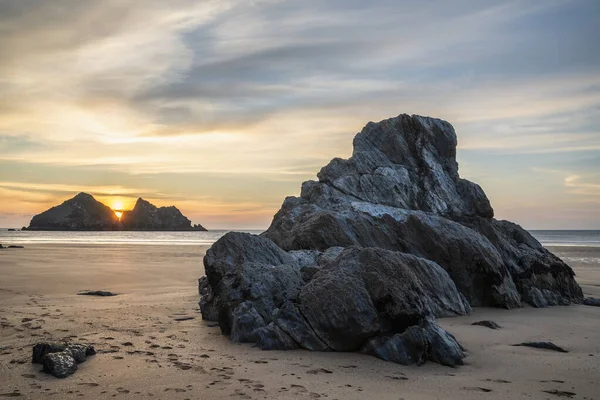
column 319, row 371
column 61, row 359
column 543, row 345
column 591, row 301
column 183, row 319
column 101, row 293
column 489, row 324
column 560, row 393
column 15, row 247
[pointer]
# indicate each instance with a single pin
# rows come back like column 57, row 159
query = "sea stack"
column 370, row 254
column 147, row 217
column 81, row 213
column 84, row 213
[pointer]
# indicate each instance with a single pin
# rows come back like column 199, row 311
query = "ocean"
column 144, row 238
column 546, row 237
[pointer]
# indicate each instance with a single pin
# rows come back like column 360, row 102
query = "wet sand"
column 150, row 348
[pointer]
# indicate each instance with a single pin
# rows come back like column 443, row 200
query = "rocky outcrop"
column 84, row 213
column 147, row 217
column 81, row 213
column 369, row 255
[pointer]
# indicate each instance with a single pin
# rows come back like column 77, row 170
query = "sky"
column 223, row 108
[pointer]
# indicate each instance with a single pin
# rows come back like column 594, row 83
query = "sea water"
column 115, row 238
column 547, row 238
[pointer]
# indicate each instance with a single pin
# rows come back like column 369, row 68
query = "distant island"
column 84, row 213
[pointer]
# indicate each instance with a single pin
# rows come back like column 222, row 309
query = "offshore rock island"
column 374, row 251
column 84, row 213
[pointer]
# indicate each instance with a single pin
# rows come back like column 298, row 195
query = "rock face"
column 84, row 213
column 147, row 217
column 369, row 255
column 81, row 213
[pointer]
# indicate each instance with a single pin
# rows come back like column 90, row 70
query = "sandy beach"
column 152, row 342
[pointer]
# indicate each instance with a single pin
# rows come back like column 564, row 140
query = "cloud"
column 576, row 185
column 265, row 92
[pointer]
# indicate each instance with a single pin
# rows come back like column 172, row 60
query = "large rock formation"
column 370, row 254
column 84, row 213
column 147, row 217
column 81, row 213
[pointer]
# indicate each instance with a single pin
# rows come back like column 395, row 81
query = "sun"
column 117, row 207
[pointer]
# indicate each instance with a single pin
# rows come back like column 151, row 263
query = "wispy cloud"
column 265, row 92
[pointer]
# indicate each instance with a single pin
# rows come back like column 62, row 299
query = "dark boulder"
column 370, row 254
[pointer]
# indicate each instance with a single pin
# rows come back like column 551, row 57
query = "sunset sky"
column 223, row 108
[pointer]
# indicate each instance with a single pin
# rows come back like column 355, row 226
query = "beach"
column 152, row 342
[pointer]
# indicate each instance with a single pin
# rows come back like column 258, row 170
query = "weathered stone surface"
column 272, row 337
column 373, row 251
column 59, row 365
column 41, row 349
column 406, row 348
column 80, row 213
column 292, row 322
column 246, row 268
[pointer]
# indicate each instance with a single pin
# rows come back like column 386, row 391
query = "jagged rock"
column 59, row 365
column 147, row 217
column 61, row 359
column 487, row 324
column 81, row 213
column 401, row 191
column 368, row 255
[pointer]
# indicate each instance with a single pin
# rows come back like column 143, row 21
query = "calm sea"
column 548, row 238
column 148, row 238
